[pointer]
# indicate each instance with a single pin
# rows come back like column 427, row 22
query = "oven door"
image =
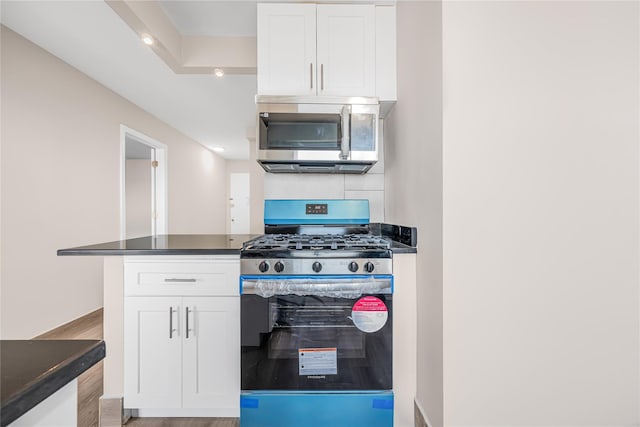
column 316, row 333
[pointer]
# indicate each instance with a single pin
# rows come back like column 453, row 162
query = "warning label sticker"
column 369, row 314
column 318, row 361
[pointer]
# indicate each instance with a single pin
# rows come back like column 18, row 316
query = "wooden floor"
column 90, row 382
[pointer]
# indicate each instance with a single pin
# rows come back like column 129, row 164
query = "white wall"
column 60, row 185
column 541, row 131
column 413, row 174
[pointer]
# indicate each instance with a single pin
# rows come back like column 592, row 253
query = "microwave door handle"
column 345, row 144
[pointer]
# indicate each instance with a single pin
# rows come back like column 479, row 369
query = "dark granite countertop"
column 205, row 244
column 400, row 248
column 403, row 239
column 167, row 244
column 32, row 370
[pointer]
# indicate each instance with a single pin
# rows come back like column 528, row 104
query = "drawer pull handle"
column 180, row 280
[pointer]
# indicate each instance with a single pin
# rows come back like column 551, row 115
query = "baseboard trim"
column 421, row 419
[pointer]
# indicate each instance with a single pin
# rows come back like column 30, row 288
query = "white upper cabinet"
column 308, row 49
column 346, row 49
column 286, row 49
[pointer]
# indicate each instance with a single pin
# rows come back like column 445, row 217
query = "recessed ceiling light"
column 147, row 39
column 218, row 149
column 219, row 72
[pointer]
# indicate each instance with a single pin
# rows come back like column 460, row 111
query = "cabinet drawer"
column 215, row 277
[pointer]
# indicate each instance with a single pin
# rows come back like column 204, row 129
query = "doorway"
column 143, row 185
column 239, row 207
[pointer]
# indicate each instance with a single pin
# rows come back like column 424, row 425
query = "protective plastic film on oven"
column 317, row 333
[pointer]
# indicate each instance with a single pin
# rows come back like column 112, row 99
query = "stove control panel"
column 311, row 266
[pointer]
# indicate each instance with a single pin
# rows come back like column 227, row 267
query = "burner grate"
column 297, row 242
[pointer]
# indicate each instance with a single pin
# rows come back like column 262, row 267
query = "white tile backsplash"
column 303, row 186
column 368, row 181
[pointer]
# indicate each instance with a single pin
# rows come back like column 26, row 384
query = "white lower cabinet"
column 182, row 353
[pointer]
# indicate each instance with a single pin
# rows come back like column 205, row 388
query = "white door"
column 346, row 49
column 286, row 49
column 239, row 208
column 153, row 352
column 211, row 354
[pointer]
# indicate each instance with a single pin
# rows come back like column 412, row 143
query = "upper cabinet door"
column 286, row 49
column 346, row 49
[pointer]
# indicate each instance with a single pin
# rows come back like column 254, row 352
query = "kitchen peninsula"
column 172, row 325
column 170, row 244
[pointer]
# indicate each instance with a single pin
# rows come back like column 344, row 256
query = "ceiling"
column 212, row 18
column 91, row 37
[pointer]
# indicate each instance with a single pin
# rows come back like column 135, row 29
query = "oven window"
column 313, row 326
column 300, row 131
column 278, row 331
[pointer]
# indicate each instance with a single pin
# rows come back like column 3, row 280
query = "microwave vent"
column 316, row 167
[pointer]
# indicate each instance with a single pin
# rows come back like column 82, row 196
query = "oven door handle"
column 340, row 288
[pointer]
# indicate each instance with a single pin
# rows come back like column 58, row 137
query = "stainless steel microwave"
column 317, row 134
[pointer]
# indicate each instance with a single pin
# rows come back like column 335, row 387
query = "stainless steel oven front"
column 316, row 333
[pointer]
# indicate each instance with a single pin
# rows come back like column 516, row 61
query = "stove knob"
column 278, row 267
column 353, row 266
column 317, row 267
column 263, row 267
column 368, row 267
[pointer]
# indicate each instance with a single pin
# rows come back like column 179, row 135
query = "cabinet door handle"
column 186, row 310
column 321, row 76
column 311, row 74
column 180, row 280
column 171, row 329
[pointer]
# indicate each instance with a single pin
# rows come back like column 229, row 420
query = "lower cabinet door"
column 152, row 352
column 211, row 353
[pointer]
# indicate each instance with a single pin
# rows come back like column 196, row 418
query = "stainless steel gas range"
column 317, row 318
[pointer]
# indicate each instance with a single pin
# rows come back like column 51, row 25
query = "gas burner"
column 302, row 242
